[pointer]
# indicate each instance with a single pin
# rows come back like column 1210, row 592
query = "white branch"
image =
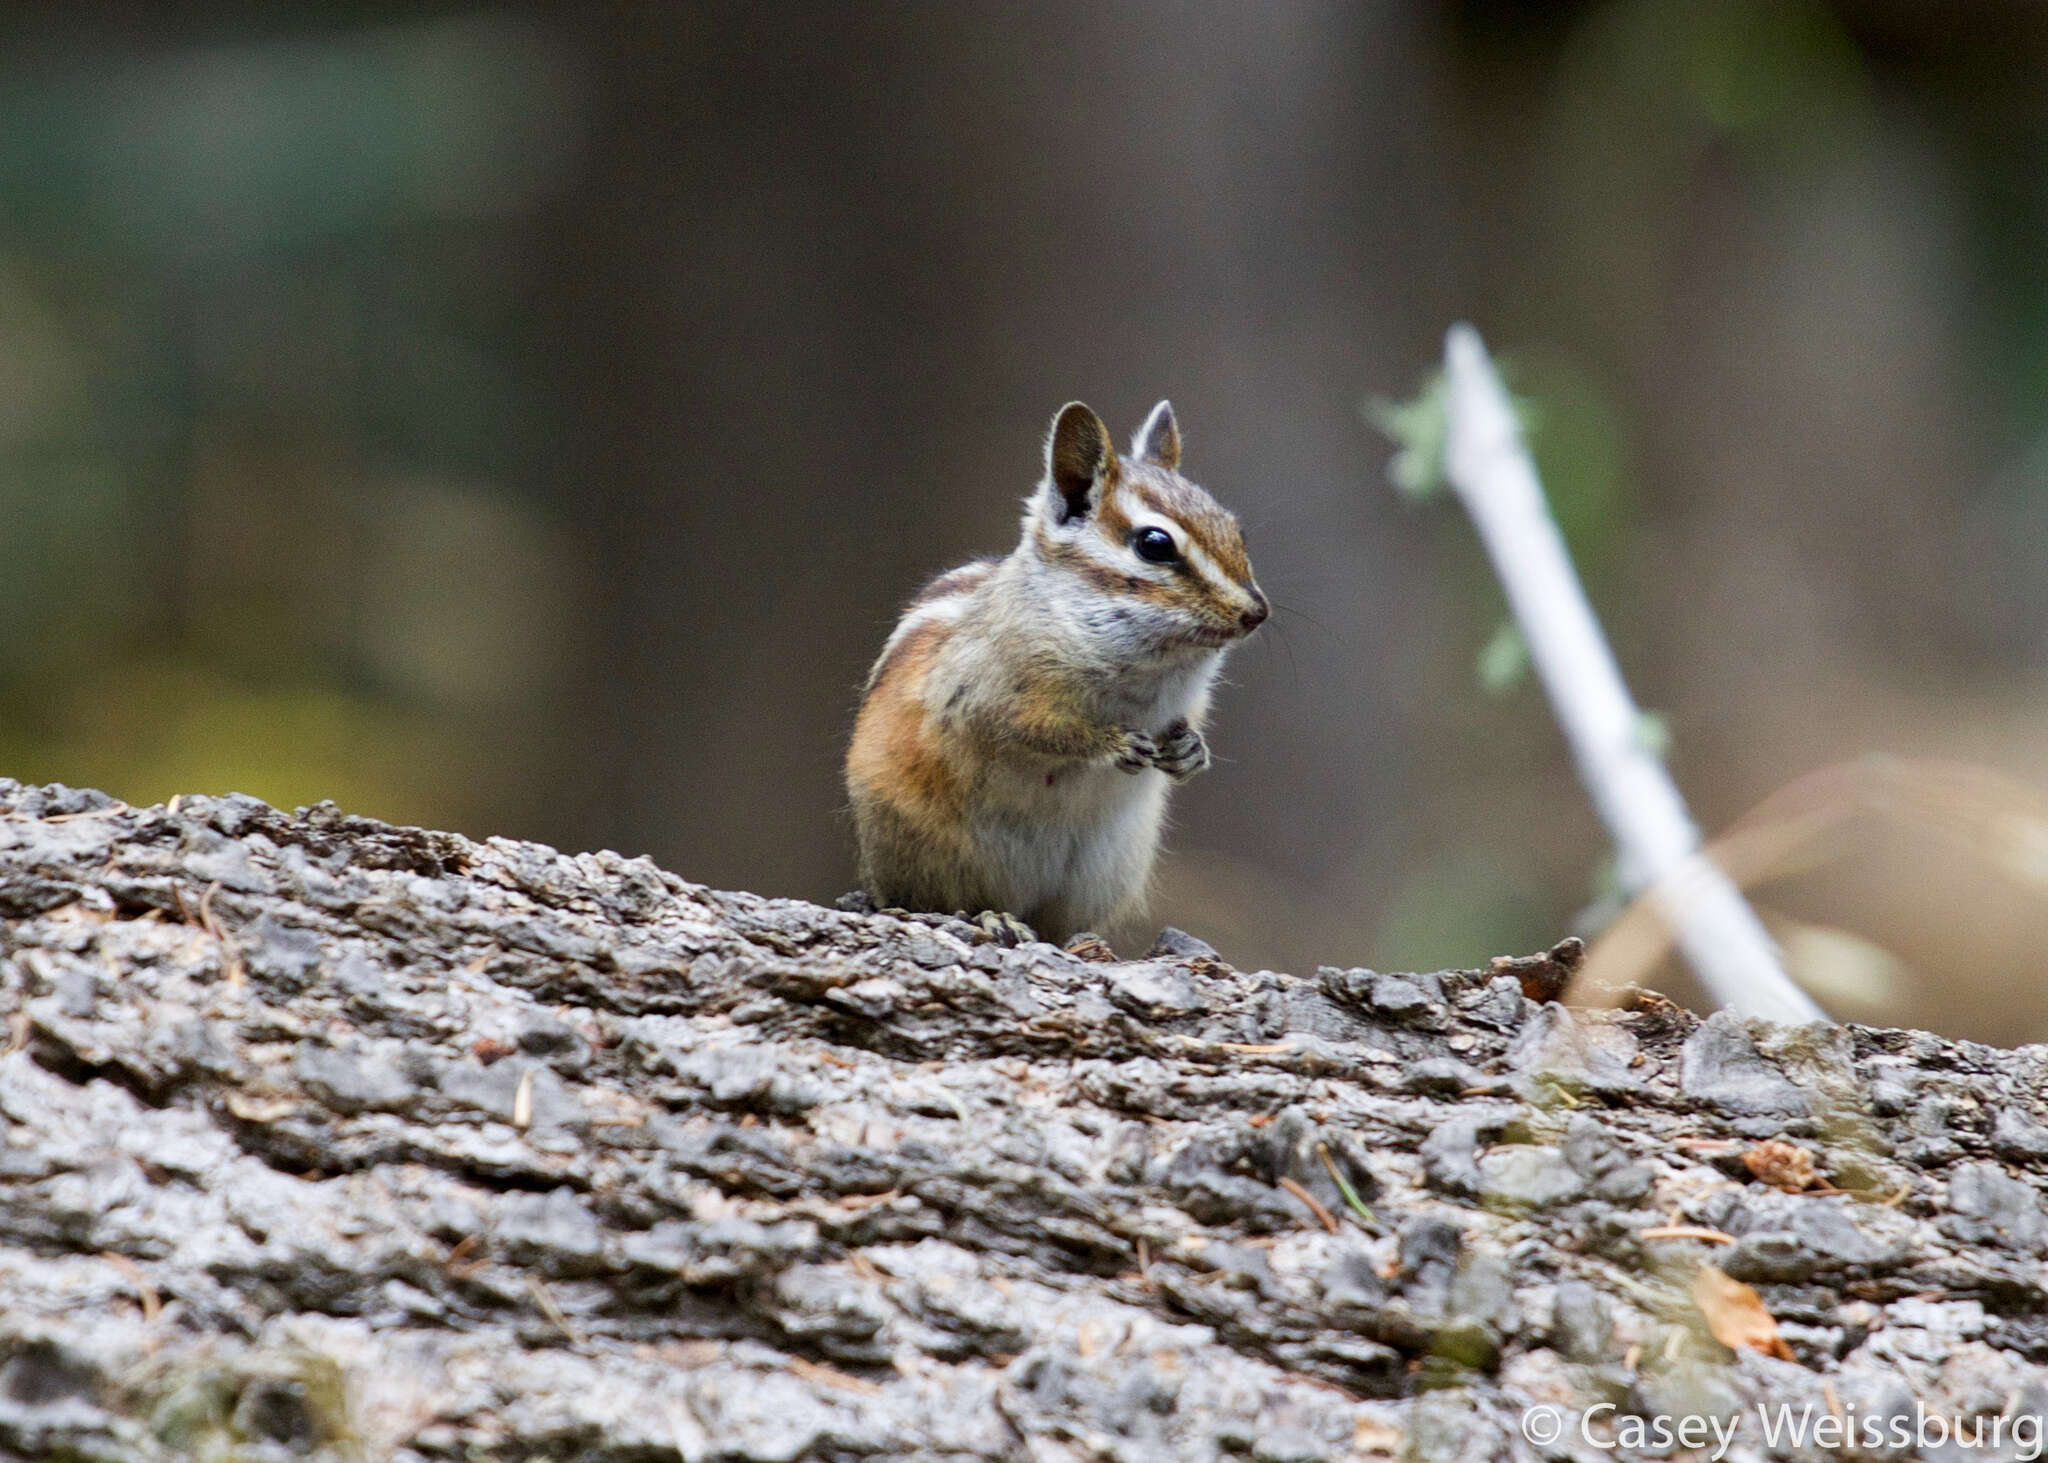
column 1490, row 470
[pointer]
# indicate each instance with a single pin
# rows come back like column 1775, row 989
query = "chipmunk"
column 1019, row 732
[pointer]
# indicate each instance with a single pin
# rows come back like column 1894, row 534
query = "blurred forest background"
column 530, row 421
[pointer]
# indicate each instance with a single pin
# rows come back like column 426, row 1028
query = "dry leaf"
column 1544, row 977
column 1735, row 1314
column 1782, row 1165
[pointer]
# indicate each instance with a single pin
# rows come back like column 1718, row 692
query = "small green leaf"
column 1653, row 734
column 1358, row 1205
column 1417, row 430
column 1420, row 431
column 1503, row 660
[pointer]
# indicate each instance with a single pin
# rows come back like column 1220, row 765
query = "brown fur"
column 1041, row 719
column 895, row 756
column 1112, row 521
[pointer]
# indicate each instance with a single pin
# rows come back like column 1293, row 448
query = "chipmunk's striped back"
column 937, row 605
column 1003, row 755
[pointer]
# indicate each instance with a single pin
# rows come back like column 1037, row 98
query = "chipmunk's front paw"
column 1135, row 751
column 1182, row 752
column 1004, row 928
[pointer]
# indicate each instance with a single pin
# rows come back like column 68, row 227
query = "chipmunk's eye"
column 1155, row 546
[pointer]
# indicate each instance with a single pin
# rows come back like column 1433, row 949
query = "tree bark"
column 328, row 1137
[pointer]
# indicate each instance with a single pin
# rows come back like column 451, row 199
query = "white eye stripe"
column 1142, row 521
column 1198, row 559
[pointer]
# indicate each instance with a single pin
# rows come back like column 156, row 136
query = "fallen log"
column 322, row 1137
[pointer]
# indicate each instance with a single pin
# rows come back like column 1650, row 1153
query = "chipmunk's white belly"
column 1069, row 846
column 1077, row 850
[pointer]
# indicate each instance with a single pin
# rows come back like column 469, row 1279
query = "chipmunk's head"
column 1164, row 561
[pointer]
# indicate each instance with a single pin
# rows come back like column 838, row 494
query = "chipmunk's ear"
column 1078, row 461
column 1159, row 439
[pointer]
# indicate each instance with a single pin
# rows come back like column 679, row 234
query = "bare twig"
column 1489, row 468
column 1687, row 1231
column 1316, row 1206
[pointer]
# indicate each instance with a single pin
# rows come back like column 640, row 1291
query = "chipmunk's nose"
column 1254, row 617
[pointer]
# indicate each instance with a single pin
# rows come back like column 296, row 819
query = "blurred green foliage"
column 1503, row 662
column 1417, row 430
column 265, row 448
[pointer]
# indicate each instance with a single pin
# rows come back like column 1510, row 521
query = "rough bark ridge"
column 323, row 1135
